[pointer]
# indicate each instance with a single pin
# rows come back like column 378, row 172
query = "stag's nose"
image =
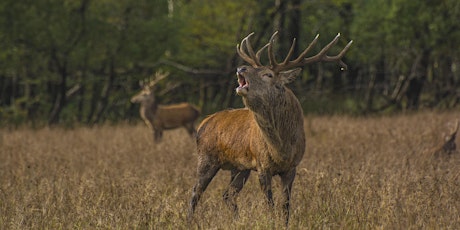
column 241, row 69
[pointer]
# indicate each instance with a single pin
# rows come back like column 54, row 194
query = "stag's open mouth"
column 243, row 87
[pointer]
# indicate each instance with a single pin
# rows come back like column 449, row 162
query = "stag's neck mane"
column 280, row 121
column 149, row 106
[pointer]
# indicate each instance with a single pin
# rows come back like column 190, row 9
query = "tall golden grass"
column 357, row 173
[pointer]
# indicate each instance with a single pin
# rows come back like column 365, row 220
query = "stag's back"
column 175, row 115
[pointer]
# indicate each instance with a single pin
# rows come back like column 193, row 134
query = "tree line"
column 79, row 61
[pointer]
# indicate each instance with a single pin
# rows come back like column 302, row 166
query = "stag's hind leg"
column 265, row 179
column 207, row 169
column 237, row 181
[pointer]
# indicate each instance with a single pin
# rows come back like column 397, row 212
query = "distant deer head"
column 147, row 93
column 162, row 117
column 268, row 136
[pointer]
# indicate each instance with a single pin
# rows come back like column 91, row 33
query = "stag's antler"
column 254, row 58
column 159, row 75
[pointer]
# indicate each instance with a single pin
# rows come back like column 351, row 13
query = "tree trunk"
column 416, row 83
column 370, row 88
column 104, row 100
column 60, row 100
column 294, row 24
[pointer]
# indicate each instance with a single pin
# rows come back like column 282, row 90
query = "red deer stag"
column 162, row 117
column 267, row 136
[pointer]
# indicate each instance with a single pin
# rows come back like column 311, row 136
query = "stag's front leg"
column 287, row 180
column 265, row 179
column 237, row 181
column 158, row 134
column 150, row 126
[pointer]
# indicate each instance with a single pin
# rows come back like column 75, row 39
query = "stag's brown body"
column 274, row 143
column 267, row 136
column 163, row 117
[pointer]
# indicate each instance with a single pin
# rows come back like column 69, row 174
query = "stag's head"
column 257, row 80
column 147, row 93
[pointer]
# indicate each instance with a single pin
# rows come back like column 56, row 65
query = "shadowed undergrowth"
column 357, row 173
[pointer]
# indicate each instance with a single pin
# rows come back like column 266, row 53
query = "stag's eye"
column 267, row 75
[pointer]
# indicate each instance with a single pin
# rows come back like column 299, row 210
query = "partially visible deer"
column 448, row 146
column 162, row 117
column 267, row 136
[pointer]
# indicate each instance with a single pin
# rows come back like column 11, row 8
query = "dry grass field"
column 357, row 173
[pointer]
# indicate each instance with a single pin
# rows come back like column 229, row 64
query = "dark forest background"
column 79, row 61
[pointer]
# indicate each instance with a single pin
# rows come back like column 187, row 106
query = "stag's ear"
column 289, row 76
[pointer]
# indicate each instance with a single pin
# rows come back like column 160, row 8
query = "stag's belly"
column 171, row 123
column 237, row 160
column 233, row 149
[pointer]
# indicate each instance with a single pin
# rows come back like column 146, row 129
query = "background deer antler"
column 169, row 87
column 159, row 75
column 254, row 58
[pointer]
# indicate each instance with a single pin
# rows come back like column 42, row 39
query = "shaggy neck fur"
column 280, row 119
column 148, row 108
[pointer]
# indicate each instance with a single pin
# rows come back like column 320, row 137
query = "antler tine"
column 271, row 55
column 304, row 53
column 260, row 51
column 239, row 48
column 339, row 56
column 251, row 58
column 322, row 56
column 159, row 75
column 291, row 51
column 344, row 66
column 328, row 46
column 251, row 50
column 151, row 82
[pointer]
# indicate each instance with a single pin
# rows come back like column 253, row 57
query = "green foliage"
column 211, row 30
column 80, row 61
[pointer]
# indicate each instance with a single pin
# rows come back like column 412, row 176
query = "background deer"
column 448, row 146
column 267, row 136
column 162, row 117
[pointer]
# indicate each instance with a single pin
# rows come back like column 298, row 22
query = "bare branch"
column 72, row 91
column 183, row 68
